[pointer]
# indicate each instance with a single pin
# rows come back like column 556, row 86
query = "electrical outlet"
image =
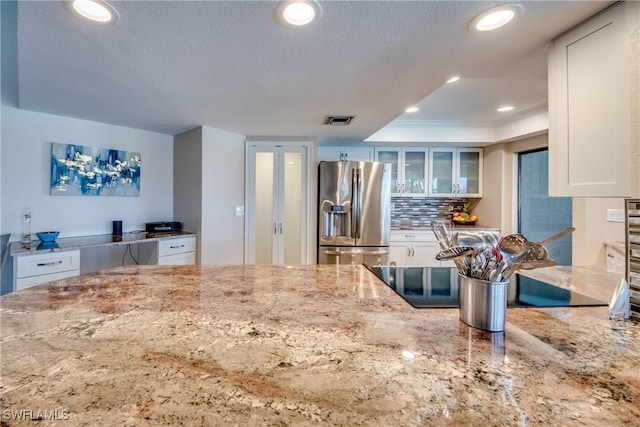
column 615, row 215
column 239, row 210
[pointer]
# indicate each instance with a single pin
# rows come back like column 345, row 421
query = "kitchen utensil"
column 538, row 251
column 514, row 248
column 454, row 252
column 495, row 275
column 558, row 235
column 453, row 241
column 440, row 231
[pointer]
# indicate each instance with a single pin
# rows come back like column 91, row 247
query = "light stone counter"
column 308, row 345
column 592, row 281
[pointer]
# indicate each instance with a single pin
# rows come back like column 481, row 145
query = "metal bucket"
column 483, row 304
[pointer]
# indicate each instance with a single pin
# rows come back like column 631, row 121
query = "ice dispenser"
column 336, row 220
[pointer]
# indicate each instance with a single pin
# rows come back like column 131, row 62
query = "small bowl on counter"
column 47, row 236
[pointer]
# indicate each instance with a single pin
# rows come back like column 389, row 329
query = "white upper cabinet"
column 455, row 172
column 408, row 169
column 594, row 107
column 330, row 153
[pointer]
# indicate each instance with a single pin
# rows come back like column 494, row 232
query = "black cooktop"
column 437, row 287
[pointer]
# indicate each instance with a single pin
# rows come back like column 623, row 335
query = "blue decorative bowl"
column 48, row 236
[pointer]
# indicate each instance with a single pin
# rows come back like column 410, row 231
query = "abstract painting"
column 78, row 170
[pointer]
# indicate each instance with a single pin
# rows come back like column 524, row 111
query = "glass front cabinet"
column 455, row 172
column 408, row 169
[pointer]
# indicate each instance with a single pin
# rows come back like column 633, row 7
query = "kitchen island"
column 303, row 345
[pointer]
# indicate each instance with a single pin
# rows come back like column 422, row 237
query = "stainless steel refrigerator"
column 354, row 212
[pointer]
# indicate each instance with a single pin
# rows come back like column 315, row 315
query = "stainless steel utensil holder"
column 483, row 304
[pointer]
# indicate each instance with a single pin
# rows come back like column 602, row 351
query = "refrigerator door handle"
column 354, row 203
column 358, row 202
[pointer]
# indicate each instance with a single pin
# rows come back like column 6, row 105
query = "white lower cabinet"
column 33, row 270
column 415, row 249
column 177, row 251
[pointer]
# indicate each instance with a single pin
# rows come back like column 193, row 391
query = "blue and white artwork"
column 78, row 170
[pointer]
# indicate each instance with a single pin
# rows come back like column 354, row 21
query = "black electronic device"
column 156, row 227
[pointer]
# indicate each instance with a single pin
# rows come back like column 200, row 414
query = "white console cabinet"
column 35, row 270
column 34, row 264
column 179, row 251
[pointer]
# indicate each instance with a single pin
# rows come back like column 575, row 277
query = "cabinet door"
column 391, row 155
column 328, row 153
column 469, row 172
column 185, row 258
column 331, row 153
column 398, row 254
column 424, row 255
column 357, row 154
column 442, row 170
column 27, row 282
column 414, row 171
column 591, row 146
column 176, row 246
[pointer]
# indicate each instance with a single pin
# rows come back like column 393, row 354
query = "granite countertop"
column 82, row 242
column 306, row 345
column 582, row 279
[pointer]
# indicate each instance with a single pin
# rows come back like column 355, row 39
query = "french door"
column 277, row 214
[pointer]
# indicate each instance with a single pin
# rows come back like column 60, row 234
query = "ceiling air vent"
column 338, row 120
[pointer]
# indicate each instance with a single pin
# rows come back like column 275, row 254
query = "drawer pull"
column 177, row 247
column 49, row 263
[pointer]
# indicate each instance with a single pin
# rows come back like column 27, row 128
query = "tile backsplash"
column 420, row 211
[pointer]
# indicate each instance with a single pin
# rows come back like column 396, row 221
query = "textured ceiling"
column 169, row 66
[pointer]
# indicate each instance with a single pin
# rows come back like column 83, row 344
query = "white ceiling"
column 169, row 66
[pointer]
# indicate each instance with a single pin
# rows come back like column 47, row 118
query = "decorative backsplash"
column 420, row 211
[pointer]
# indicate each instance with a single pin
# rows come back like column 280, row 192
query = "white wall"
column 490, row 209
column 222, row 189
column 187, row 182
column 25, row 175
column 592, row 229
column 209, row 183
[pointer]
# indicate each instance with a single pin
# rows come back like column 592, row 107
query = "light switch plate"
column 239, row 210
column 615, row 215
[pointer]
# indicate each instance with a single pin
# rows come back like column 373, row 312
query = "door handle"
column 275, row 228
column 280, row 228
column 359, row 203
column 355, row 204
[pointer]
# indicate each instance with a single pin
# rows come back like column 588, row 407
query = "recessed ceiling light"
column 453, row 79
column 411, row 110
column 96, row 11
column 495, row 18
column 298, row 13
column 506, row 108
